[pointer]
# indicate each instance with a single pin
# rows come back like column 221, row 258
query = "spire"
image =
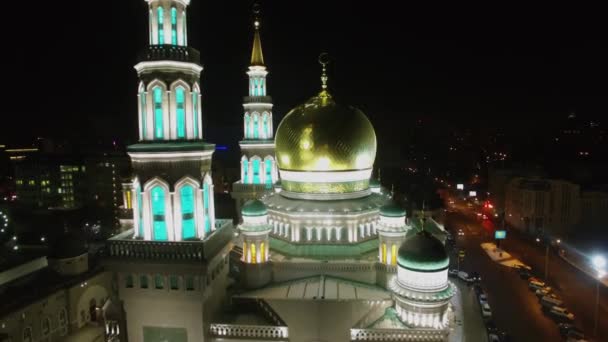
column 324, row 60
column 257, row 58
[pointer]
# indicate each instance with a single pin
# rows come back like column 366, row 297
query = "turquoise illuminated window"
column 255, row 127
column 158, row 113
column 263, row 87
column 265, row 124
column 161, row 21
column 268, row 172
column 187, row 200
column 142, row 97
column 143, row 281
column 245, row 171
column 141, row 212
column 159, row 282
column 158, row 214
column 206, row 199
column 247, row 126
column 184, row 32
column 173, row 26
column 256, row 171
column 195, row 113
column 173, row 282
column 181, row 113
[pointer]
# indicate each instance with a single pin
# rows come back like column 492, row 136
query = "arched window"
column 142, row 101
column 181, row 113
column 384, row 253
column 247, row 135
column 268, row 169
column 195, row 112
column 253, row 256
column 256, row 170
column 206, row 199
column 262, row 87
column 158, row 112
column 46, row 326
column 262, row 252
column 184, row 31
column 265, row 125
column 394, row 255
column 161, row 21
column 140, row 210
column 27, row 334
column 256, row 130
column 173, row 26
column 159, row 226
column 63, row 321
column 187, row 204
column 245, row 179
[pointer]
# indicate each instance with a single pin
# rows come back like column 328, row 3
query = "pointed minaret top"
column 257, row 57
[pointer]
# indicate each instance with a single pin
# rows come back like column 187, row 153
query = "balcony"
column 257, row 99
column 171, row 53
column 124, row 246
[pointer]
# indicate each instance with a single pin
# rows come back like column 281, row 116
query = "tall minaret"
column 258, row 167
column 172, row 187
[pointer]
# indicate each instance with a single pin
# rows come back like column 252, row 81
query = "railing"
column 170, row 52
column 386, row 268
column 258, row 188
column 249, row 331
column 397, row 335
column 257, row 99
column 124, row 246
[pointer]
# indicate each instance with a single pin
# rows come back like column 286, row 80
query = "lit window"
column 159, row 282
column 181, row 115
column 173, row 282
column 173, row 26
column 142, row 97
column 158, row 113
column 268, row 172
column 187, row 202
column 206, row 200
column 255, row 126
column 256, row 171
column 189, row 283
column 161, row 21
column 245, row 171
column 195, row 112
column 158, row 214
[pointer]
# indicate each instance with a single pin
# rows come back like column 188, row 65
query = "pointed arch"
column 256, row 125
column 158, row 195
column 269, row 170
column 158, row 107
column 265, row 125
column 196, row 91
column 247, row 124
column 256, row 170
column 173, row 25
column 181, row 123
column 207, row 200
column 142, row 111
column 138, row 212
column 160, row 19
column 244, row 170
column 187, row 192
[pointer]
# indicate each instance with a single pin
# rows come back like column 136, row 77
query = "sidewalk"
column 500, row 256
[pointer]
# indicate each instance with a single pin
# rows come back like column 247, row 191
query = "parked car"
column 491, row 327
column 575, row 335
column 453, row 272
column 561, row 313
column 464, row 276
column 565, row 328
column 493, row 338
column 536, row 285
column 475, row 277
column 550, row 301
column 482, row 297
column 460, row 232
column 545, row 291
column 486, row 311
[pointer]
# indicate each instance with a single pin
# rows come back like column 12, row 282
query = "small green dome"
column 392, row 210
column 423, row 253
column 254, row 208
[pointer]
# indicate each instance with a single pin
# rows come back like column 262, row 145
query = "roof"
column 424, row 253
column 277, row 202
column 171, row 146
column 320, row 287
column 257, row 57
column 325, row 251
column 392, row 210
column 254, row 208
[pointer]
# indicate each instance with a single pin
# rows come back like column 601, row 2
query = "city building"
column 258, row 166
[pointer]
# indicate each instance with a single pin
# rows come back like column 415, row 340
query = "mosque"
column 321, row 252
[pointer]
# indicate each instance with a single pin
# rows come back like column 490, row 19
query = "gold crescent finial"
column 324, row 60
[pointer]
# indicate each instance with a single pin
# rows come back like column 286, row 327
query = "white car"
column 483, row 298
column 464, row 276
column 562, row 313
column 486, row 311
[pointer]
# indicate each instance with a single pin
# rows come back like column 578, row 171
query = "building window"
column 129, row 281
column 262, row 252
column 27, row 334
column 46, row 326
column 384, row 253
column 247, row 129
column 158, row 113
column 245, row 171
column 206, row 199
column 140, row 209
column 143, row 281
column 189, row 283
column 142, row 98
column 173, row 26
column 181, row 113
column 255, row 126
column 63, row 321
column 184, row 26
column 161, row 22
column 174, row 282
column 394, row 255
column 195, row 112
column 159, row 282
column 253, row 255
column 187, row 203
column 265, row 125
column 256, row 171
column 268, row 169
column 158, row 214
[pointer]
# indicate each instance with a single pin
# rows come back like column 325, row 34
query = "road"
column 515, row 308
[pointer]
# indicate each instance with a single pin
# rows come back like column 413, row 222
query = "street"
column 515, row 308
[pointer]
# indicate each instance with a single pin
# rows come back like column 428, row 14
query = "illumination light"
column 599, row 262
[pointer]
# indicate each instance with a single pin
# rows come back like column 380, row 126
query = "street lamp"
column 599, row 263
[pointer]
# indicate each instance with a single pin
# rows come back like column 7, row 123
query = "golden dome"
column 322, row 135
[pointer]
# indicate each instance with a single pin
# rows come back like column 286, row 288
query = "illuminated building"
column 258, row 166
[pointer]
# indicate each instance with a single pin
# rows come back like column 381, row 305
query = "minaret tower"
column 258, row 168
column 172, row 187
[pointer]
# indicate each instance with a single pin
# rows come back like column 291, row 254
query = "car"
column 486, row 311
column 460, row 232
column 453, row 272
column 550, row 301
column 561, row 313
column 545, row 291
column 464, row 276
column 482, row 297
column 491, row 327
column 575, row 334
column 564, row 328
column 525, row 274
column 475, row 277
column 493, row 338
column 535, row 285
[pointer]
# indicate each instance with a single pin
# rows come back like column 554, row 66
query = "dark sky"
column 70, row 75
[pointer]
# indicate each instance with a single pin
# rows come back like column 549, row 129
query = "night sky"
column 70, row 73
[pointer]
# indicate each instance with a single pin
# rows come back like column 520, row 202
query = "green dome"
column 254, row 208
column 392, row 210
column 423, row 253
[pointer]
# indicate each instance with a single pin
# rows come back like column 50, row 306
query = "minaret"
column 258, row 168
column 172, row 187
column 255, row 230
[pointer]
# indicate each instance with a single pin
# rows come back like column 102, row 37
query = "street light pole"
column 597, row 305
column 547, row 262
